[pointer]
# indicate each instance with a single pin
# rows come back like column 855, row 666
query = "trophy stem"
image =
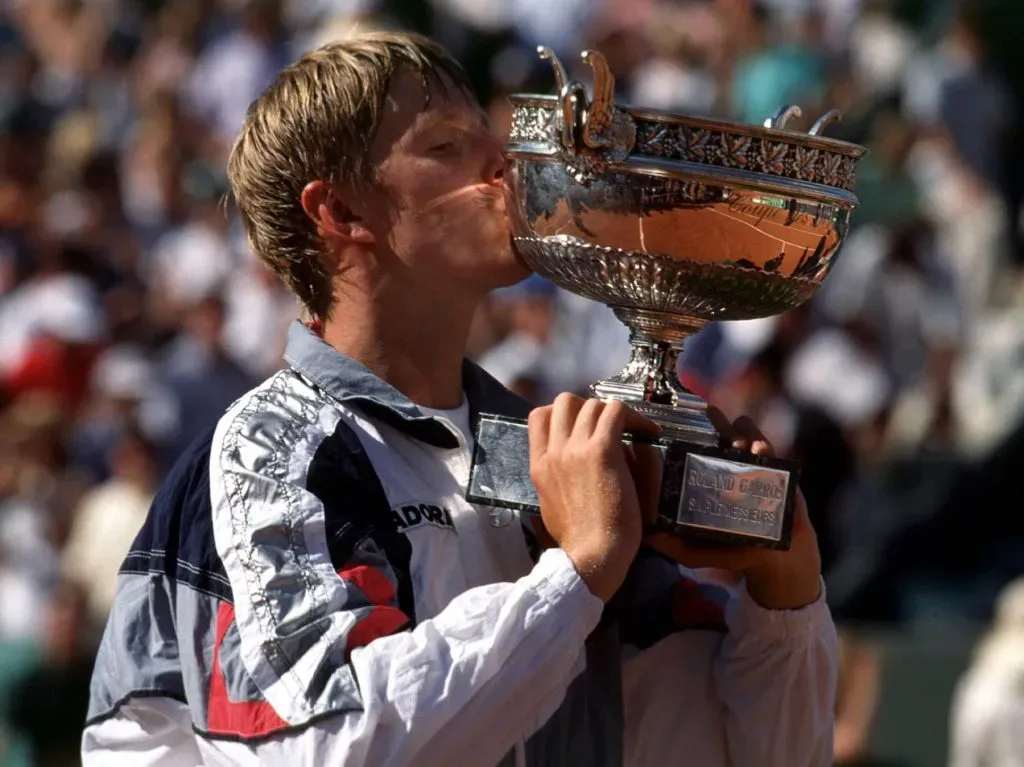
column 650, row 382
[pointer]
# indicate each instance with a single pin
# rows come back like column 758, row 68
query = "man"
column 312, row 587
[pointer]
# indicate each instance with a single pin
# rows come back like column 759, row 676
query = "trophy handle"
column 827, row 119
column 572, row 96
column 606, row 133
column 561, row 78
column 602, row 109
column 784, row 115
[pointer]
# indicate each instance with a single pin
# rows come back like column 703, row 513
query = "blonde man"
column 311, row 586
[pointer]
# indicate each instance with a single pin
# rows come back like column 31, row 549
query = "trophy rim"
column 684, row 170
column 839, row 146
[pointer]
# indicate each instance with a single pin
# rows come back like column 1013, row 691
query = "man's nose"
column 494, row 167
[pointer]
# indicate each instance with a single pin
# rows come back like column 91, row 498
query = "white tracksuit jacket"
column 312, row 588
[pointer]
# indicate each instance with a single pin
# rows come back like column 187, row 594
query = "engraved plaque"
column 707, row 493
column 726, row 495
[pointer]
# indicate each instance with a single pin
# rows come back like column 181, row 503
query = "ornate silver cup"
column 673, row 222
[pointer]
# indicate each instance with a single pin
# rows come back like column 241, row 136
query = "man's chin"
column 522, row 268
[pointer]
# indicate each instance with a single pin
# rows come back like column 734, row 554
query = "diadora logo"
column 414, row 515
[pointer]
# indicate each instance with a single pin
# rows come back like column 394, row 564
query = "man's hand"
column 775, row 579
column 588, row 498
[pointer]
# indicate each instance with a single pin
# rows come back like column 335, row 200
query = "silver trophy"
column 673, row 222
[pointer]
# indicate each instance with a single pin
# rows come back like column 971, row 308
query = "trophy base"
column 685, row 420
column 708, row 493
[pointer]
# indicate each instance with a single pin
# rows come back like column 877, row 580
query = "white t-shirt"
column 496, row 516
column 458, row 416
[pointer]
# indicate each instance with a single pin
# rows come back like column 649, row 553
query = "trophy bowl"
column 673, row 222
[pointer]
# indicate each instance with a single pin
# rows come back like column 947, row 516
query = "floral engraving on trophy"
column 847, row 172
column 831, row 164
column 805, row 163
column 659, row 140
column 778, row 158
column 734, row 150
column 697, row 143
column 771, row 156
column 532, row 125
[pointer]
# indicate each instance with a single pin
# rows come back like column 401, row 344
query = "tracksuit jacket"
column 312, row 588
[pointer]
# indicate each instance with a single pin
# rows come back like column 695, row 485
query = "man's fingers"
column 538, row 428
column 612, row 421
column 623, row 418
column 588, row 417
column 743, row 434
column 641, row 425
column 564, row 411
column 727, row 434
column 757, row 443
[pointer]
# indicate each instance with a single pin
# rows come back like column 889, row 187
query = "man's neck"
column 416, row 346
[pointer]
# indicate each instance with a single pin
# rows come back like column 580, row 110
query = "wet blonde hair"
column 316, row 121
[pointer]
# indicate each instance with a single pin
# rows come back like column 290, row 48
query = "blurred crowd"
column 132, row 313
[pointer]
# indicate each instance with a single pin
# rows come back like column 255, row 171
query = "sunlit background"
column 132, row 314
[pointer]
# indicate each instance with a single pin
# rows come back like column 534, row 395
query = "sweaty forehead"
column 413, row 105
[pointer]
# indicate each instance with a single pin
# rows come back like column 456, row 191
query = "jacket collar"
column 349, row 381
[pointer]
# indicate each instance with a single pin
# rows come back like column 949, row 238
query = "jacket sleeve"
column 777, row 674
column 326, row 642
column 463, row 687
column 144, row 732
column 757, row 687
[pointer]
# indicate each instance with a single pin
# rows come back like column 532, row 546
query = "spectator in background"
column 52, row 328
column 677, row 77
column 258, row 314
column 199, row 374
column 953, row 89
column 235, row 68
column 880, row 47
column 49, row 704
column 857, row 698
column 195, row 256
column 32, row 463
column 888, row 193
column 553, row 341
column 518, row 360
column 779, row 71
column 988, row 708
column 107, row 520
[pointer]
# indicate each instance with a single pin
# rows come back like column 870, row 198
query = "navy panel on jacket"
column 176, row 539
column 356, row 507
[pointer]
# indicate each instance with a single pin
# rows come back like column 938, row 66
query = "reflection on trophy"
column 673, row 222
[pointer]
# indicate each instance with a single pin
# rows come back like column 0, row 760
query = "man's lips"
column 489, row 192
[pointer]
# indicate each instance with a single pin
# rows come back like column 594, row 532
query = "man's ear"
column 333, row 218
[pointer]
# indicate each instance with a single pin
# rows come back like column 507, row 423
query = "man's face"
column 437, row 210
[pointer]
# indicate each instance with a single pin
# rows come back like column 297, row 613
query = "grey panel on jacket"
column 138, row 653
